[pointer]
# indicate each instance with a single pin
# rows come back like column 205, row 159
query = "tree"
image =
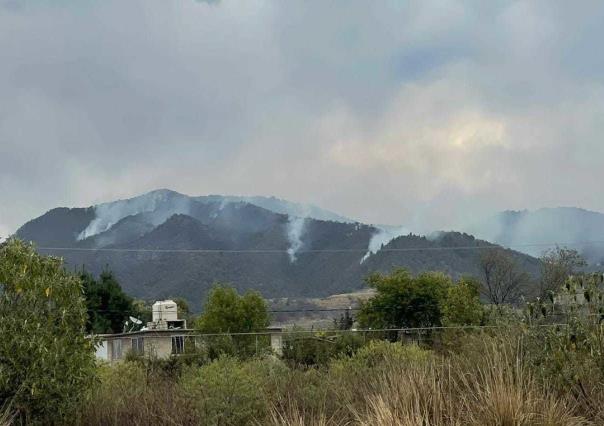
column 225, row 311
column 184, row 311
column 556, row 266
column 144, row 311
column 46, row 362
column 503, row 279
column 345, row 322
column 402, row 300
column 108, row 306
column 462, row 305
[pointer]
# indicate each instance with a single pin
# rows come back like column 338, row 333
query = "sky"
column 416, row 113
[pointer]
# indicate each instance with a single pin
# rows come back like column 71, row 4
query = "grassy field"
column 503, row 377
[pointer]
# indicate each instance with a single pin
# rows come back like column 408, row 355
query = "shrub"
column 129, row 393
column 462, row 304
column 226, row 392
column 402, row 300
column 46, row 362
column 379, row 353
column 225, row 311
column 319, row 348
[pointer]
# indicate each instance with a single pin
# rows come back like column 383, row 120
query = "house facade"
column 151, row 343
column 165, row 336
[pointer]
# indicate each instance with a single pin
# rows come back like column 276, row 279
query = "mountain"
column 532, row 232
column 165, row 244
column 278, row 205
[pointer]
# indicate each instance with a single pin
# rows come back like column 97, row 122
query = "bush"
column 46, row 362
column 235, row 345
column 402, row 300
column 129, row 393
column 379, row 353
column 319, row 348
column 490, row 380
column 226, row 392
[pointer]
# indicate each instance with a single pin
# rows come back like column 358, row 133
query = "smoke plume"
column 162, row 204
column 381, row 238
column 295, row 230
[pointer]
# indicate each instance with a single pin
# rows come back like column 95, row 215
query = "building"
column 152, row 343
column 165, row 336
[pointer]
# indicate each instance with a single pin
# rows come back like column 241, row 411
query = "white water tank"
column 165, row 310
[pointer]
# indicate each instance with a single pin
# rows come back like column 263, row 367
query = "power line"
column 309, row 251
column 126, row 312
column 314, row 310
column 368, row 330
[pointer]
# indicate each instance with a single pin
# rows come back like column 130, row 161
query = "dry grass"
column 129, row 396
column 7, row 417
column 292, row 415
column 494, row 387
column 488, row 383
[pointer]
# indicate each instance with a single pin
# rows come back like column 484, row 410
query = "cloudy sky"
column 387, row 112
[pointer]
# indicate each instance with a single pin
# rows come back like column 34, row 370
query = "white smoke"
column 383, row 236
column 295, row 230
column 534, row 232
column 162, row 204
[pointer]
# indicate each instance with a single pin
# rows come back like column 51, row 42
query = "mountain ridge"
column 533, row 231
column 168, row 244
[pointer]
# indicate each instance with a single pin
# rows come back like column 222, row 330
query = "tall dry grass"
column 7, row 417
column 8, row 414
column 493, row 386
column 487, row 381
column 129, row 395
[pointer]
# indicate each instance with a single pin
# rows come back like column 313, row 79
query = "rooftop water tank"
column 165, row 310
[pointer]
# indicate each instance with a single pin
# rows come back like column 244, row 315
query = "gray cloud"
column 415, row 113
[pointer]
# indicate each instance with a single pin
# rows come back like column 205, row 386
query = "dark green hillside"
column 248, row 247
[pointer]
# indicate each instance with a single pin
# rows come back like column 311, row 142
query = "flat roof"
column 178, row 331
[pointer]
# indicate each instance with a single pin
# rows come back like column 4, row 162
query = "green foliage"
column 143, row 310
column 321, row 347
column 462, row 304
column 131, row 393
column 108, row 306
column 379, row 353
column 184, row 311
column 571, row 354
column 490, row 379
column 226, row 392
column 227, row 312
column 345, row 322
column 46, row 362
column 556, row 266
column 405, row 301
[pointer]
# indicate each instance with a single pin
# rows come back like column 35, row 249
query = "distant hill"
column 166, row 244
column 534, row 231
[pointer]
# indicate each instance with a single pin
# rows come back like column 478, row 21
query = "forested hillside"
column 165, row 244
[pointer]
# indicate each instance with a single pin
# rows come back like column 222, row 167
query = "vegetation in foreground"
column 523, row 369
column 491, row 379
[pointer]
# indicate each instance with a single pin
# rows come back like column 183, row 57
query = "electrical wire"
column 269, row 311
column 308, row 251
column 368, row 330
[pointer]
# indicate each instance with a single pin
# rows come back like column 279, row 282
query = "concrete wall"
column 115, row 348
column 277, row 343
column 102, row 351
column 158, row 346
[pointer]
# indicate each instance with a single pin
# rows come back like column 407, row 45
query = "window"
column 178, row 344
column 138, row 346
